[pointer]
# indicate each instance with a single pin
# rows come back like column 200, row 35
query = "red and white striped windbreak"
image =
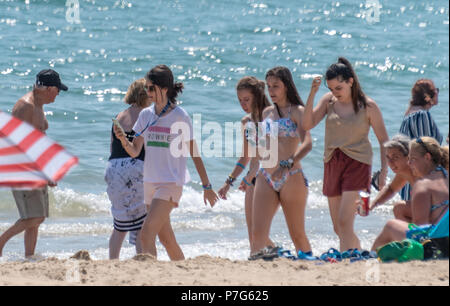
column 28, row 158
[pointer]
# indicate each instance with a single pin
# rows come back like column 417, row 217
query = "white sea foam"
column 205, row 223
column 192, row 202
column 70, row 203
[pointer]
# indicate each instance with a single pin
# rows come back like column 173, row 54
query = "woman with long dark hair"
column 349, row 115
column 280, row 179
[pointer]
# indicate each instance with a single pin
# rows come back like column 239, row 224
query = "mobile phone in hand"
column 117, row 124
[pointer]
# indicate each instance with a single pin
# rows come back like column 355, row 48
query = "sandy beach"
column 208, row 271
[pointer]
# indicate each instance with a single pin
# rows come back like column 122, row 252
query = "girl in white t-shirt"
column 165, row 130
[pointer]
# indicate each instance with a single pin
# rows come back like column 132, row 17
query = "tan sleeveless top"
column 350, row 135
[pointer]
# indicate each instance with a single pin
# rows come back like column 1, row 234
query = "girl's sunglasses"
column 150, row 88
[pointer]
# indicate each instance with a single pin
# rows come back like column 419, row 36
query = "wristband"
column 207, row 187
column 245, row 181
column 230, row 180
column 240, row 165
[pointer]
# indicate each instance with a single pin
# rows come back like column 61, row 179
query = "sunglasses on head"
column 420, row 141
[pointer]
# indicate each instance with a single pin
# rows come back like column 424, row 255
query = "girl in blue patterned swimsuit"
column 281, row 179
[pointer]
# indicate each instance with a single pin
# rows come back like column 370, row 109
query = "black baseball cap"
column 49, row 77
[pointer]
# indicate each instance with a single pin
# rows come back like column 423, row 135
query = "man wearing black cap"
column 33, row 204
column 30, row 108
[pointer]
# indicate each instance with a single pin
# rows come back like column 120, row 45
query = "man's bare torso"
column 27, row 110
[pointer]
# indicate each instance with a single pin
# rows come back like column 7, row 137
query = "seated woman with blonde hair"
column 429, row 163
column 397, row 150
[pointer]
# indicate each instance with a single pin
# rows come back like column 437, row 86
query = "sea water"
column 100, row 47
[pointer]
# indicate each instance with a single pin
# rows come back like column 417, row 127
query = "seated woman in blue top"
column 418, row 121
column 429, row 163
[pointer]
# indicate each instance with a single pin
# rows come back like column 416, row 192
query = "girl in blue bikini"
column 285, row 182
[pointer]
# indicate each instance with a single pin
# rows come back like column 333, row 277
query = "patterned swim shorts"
column 124, row 177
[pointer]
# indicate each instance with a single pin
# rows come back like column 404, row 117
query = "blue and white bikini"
column 283, row 127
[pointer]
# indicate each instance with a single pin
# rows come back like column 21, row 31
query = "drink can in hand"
column 363, row 208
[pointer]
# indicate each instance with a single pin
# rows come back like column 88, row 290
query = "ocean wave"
column 216, row 223
column 70, row 203
column 67, row 202
column 69, row 229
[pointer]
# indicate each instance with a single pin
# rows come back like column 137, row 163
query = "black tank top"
column 117, row 151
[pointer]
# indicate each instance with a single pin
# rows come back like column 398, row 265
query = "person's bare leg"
column 249, row 215
column 249, row 212
column 334, row 205
column 30, row 240
column 115, row 243
column 347, row 211
column 138, row 243
column 168, row 240
column 19, row 227
column 394, row 230
column 157, row 216
column 294, row 196
column 402, row 211
column 265, row 205
column 14, row 230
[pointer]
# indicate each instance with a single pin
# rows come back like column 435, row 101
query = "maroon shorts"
column 343, row 173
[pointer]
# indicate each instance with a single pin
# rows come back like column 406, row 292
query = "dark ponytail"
column 177, row 88
column 343, row 71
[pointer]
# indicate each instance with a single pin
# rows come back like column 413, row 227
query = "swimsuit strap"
column 441, row 214
column 444, row 203
column 437, row 206
column 279, row 112
column 442, row 169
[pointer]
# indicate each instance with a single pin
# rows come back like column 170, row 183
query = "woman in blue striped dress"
column 418, row 122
